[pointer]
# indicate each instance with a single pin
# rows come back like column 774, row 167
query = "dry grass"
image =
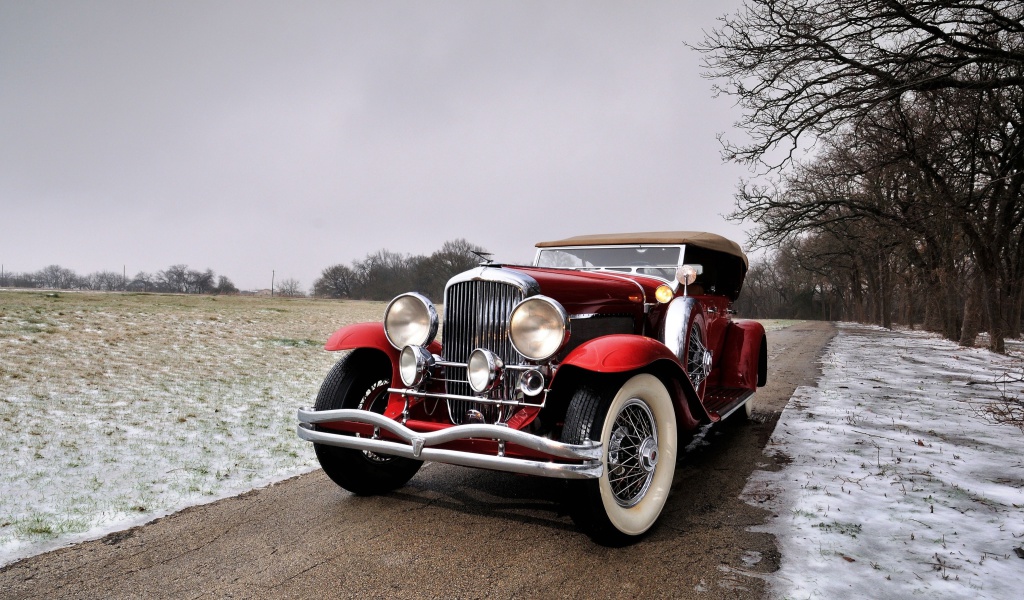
column 117, row 406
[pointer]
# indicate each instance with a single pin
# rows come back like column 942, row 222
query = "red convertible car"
column 589, row 365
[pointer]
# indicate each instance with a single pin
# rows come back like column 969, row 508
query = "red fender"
column 742, row 354
column 362, row 335
column 621, row 353
column 618, row 353
column 368, row 335
column 371, row 335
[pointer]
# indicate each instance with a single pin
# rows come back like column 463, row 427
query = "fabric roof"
column 703, row 239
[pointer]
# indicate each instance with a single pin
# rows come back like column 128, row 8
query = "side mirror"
column 687, row 274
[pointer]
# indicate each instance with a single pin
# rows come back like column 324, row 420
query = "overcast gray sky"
column 255, row 136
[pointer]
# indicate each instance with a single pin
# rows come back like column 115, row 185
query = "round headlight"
column 414, row 364
column 483, row 370
column 538, row 327
column 410, row 320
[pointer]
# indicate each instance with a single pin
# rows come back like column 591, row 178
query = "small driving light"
column 532, row 382
column 414, row 364
column 483, row 370
column 663, row 294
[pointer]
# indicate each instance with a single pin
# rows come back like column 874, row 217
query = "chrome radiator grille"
column 476, row 316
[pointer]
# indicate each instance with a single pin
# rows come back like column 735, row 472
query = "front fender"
column 623, row 353
column 361, row 335
column 618, row 353
column 371, row 335
column 368, row 335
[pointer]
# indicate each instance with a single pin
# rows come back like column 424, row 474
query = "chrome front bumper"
column 420, row 446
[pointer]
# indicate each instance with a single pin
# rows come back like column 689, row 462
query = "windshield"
column 660, row 261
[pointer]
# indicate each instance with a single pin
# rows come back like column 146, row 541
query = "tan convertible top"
column 709, row 241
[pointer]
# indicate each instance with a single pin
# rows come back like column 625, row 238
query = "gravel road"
column 451, row 533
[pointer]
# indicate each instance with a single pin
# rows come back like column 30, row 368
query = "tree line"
column 887, row 141
column 174, row 279
column 383, row 274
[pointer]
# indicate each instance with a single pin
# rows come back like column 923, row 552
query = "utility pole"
column 271, row 283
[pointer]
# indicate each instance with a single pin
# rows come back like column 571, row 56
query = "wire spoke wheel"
column 632, row 453
column 376, row 400
column 636, row 424
column 698, row 359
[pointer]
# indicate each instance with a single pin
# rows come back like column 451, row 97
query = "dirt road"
column 452, row 532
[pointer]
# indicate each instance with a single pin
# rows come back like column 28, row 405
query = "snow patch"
column 897, row 486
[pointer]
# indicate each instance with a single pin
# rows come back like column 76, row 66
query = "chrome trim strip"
column 673, row 332
column 526, row 284
column 420, row 445
column 448, row 363
column 447, row 396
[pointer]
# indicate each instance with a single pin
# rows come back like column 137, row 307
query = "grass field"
column 117, row 408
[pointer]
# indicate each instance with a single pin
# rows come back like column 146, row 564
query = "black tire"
column 621, row 506
column 360, row 380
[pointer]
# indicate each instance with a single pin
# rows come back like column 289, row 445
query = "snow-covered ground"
column 117, row 409
column 894, row 485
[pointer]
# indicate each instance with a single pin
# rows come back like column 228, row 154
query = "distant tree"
column 433, row 272
column 384, row 274
column 199, row 282
column 336, row 281
column 225, row 286
column 144, row 282
column 173, row 279
column 57, row 277
column 289, row 288
column 107, row 281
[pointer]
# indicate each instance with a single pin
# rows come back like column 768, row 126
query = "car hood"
column 591, row 292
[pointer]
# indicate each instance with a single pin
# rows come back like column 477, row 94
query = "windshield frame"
column 618, row 268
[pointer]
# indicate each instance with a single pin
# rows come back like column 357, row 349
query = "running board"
column 722, row 402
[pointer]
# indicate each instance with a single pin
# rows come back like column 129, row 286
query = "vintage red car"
column 589, row 365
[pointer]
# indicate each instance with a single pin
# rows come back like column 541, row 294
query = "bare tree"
column 290, row 288
column 105, row 281
column 808, row 67
column 433, row 272
column 924, row 104
column 57, row 277
column 173, row 279
column 225, row 286
column 336, row 281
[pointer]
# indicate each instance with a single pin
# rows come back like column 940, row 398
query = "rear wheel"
column 637, row 430
column 361, row 380
column 698, row 357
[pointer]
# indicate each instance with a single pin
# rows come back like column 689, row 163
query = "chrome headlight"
column 410, row 320
column 483, row 370
column 414, row 364
column 538, row 327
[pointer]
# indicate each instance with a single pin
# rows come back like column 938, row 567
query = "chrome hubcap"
column 649, row 454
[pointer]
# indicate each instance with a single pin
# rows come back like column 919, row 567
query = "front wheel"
column 637, row 431
column 360, row 380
